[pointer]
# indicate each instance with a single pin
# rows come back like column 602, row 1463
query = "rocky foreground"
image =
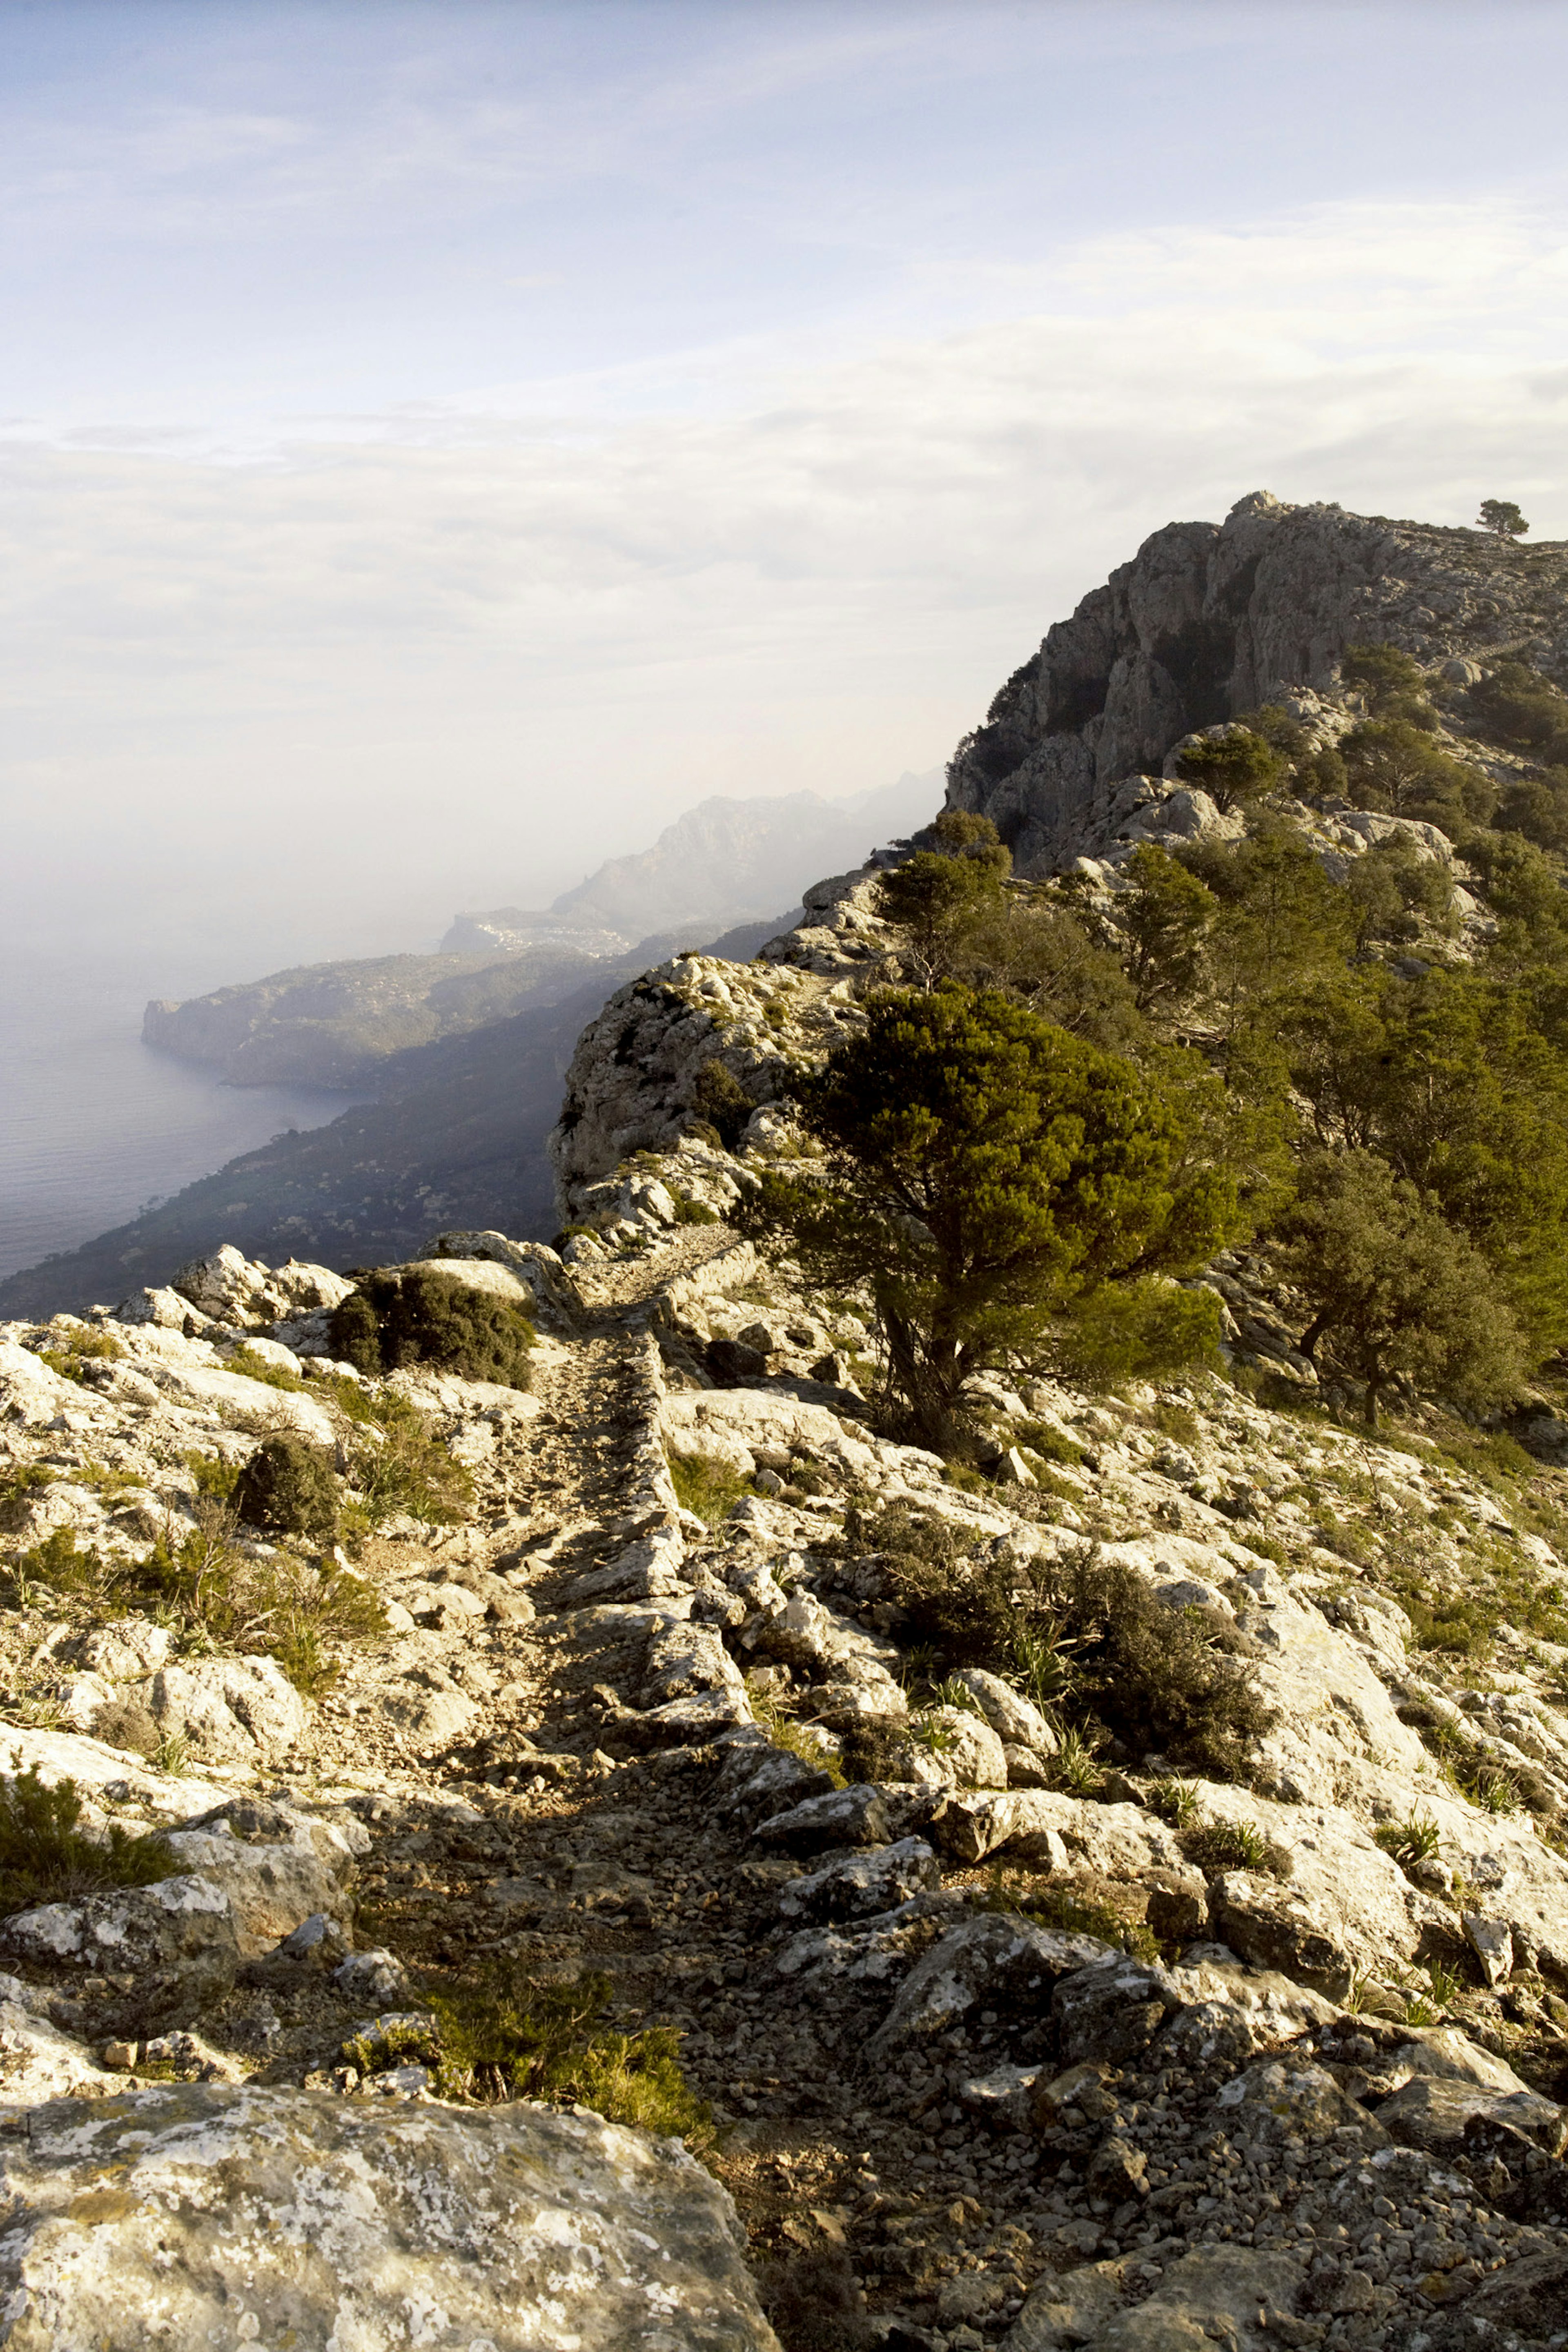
column 1009, row 2045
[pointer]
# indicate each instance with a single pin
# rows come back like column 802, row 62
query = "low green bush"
column 721, row 1103
column 501, row 2034
column 394, row 1319
column 46, row 1858
column 287, row 1488
column 81, row 1349
column 708, row 1489
column 1179, row 1681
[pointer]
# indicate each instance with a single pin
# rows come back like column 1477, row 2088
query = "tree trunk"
column 931, row 1398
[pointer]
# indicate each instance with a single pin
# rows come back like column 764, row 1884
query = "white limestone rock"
column 238, row 2212
column 227, row 1710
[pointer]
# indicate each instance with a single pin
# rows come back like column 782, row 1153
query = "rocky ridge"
column 1209, row 620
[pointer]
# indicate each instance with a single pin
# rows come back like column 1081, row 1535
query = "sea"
column 94, row 1124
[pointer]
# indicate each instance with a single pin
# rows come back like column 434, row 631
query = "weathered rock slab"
column 225, row 2215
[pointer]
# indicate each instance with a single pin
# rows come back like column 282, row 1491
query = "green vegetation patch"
column 501, row 2034
column 1086, row 1635
column 395, row 1319
column 288, row 1488
column 82, row 1348
column 709, row 1488
column 46, row 1858
column 396, row 1464
column 255, row 1366
column 283, row 1607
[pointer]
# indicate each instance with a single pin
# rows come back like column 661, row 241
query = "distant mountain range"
column 725, row 861
column 465, row 1051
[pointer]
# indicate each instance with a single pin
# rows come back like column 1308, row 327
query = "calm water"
column 93, row 1126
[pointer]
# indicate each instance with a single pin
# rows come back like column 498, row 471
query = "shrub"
column 721, row 1103
column 1383, row 674
column 213, row 1477
column 705, row 1487
column 688, row 1212
column 1233, row 768
column 868, row 1751
column 1516, row 705
column 394, row 1319
column 81, row 1349
column 44, row 1858
column 1233, row 1846
column 1083, row 1634
column 503, row 2035
column 287, row 1488
column 1177, row 1680
column 64, row 1565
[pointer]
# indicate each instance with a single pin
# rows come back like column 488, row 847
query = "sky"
column 441, row 443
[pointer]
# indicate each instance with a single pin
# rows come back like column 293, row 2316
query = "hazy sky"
column 442, row 442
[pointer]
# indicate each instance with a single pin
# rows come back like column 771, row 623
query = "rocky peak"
column 1209, row 620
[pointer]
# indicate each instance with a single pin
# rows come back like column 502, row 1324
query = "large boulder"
column 158, row 1954
column 278, row 1866
column 860, row 1886
column 233, row 2215
column 227, row 1710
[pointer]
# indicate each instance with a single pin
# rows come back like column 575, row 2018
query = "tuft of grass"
column 708, row 1489
column 1074, row 1768
column 952, row 1693
column 81, row 1349
column 1176, row 1801
column 1410, row 1842
column 1176, row 1421
column 1045, row 1670
column 1069, row 1913
column 107, row 1483
column 16, row 1485
column 171, row 1754
column 46, row 1858
column 1233, row 1846
column 795, row 1738
column 396, row 1464
column 501, row 2034
column 936, row 1738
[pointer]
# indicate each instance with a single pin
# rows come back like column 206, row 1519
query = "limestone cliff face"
column 1209, row 620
